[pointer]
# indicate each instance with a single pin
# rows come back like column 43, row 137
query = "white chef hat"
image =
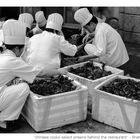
column 55, row 21
column 27, row 19
column 83, row 16
column 40, row 18
column 14, row 32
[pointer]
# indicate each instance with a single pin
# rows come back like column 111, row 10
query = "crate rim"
column 116, row 96
column 82, row 88
column 97, row 64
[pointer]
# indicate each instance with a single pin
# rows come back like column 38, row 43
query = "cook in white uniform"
column 40, row 23
column 28, row 20
column 13, row 97
column 87, row 35
column 107, row 43
column 44, row 49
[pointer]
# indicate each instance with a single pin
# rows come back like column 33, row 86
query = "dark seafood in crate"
column 47, row 112
column 68, row 61
column 52, row 85
column 76, row 39
column 116, row 103
column 90, row 71
column 124, row 87
column 91, row 74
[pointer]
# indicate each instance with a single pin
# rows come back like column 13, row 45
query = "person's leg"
column 125, row 68
column 12, row 100
column 135, row 66
column 132, row 67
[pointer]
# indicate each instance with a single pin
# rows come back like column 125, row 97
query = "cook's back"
column 116, row 52
column 43, row 50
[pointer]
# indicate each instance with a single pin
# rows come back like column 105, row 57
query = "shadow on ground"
column 87, row 126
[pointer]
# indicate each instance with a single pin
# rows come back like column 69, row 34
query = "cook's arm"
column 87, row 57
column 82, row 45
column 66, row 47
column 99, row 49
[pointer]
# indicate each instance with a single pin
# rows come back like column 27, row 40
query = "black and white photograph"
column 69, row 69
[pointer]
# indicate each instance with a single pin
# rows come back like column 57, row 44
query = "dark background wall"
column 9, row 12
column 129, row 19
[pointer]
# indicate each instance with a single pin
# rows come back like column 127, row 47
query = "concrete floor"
column 87, row 126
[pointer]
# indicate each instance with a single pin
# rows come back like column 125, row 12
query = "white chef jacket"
column 44, row 50
column 12, row 66
column 108, row 45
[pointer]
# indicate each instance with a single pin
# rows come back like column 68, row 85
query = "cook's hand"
column 88, row 38
column 91, row 35
column 62, row 71
column 85, row 39
column 18, row 80
column 15, row 82
column 74, row 36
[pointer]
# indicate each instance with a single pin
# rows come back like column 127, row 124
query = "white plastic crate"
column 91, row 84
column 116, row 111
column 47, row 112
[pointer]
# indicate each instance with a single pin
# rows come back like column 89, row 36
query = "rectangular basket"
column 47, row 112
column 114, row 110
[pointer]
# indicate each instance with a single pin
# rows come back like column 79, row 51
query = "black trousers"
column 132, row 67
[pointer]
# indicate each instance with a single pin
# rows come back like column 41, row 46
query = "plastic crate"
column 91, row 84
column 47, row 112
column 114, row 110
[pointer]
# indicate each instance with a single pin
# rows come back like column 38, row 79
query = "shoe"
column 70, row 132
column 3, row 130
column 3, row 127
column 11, row 126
